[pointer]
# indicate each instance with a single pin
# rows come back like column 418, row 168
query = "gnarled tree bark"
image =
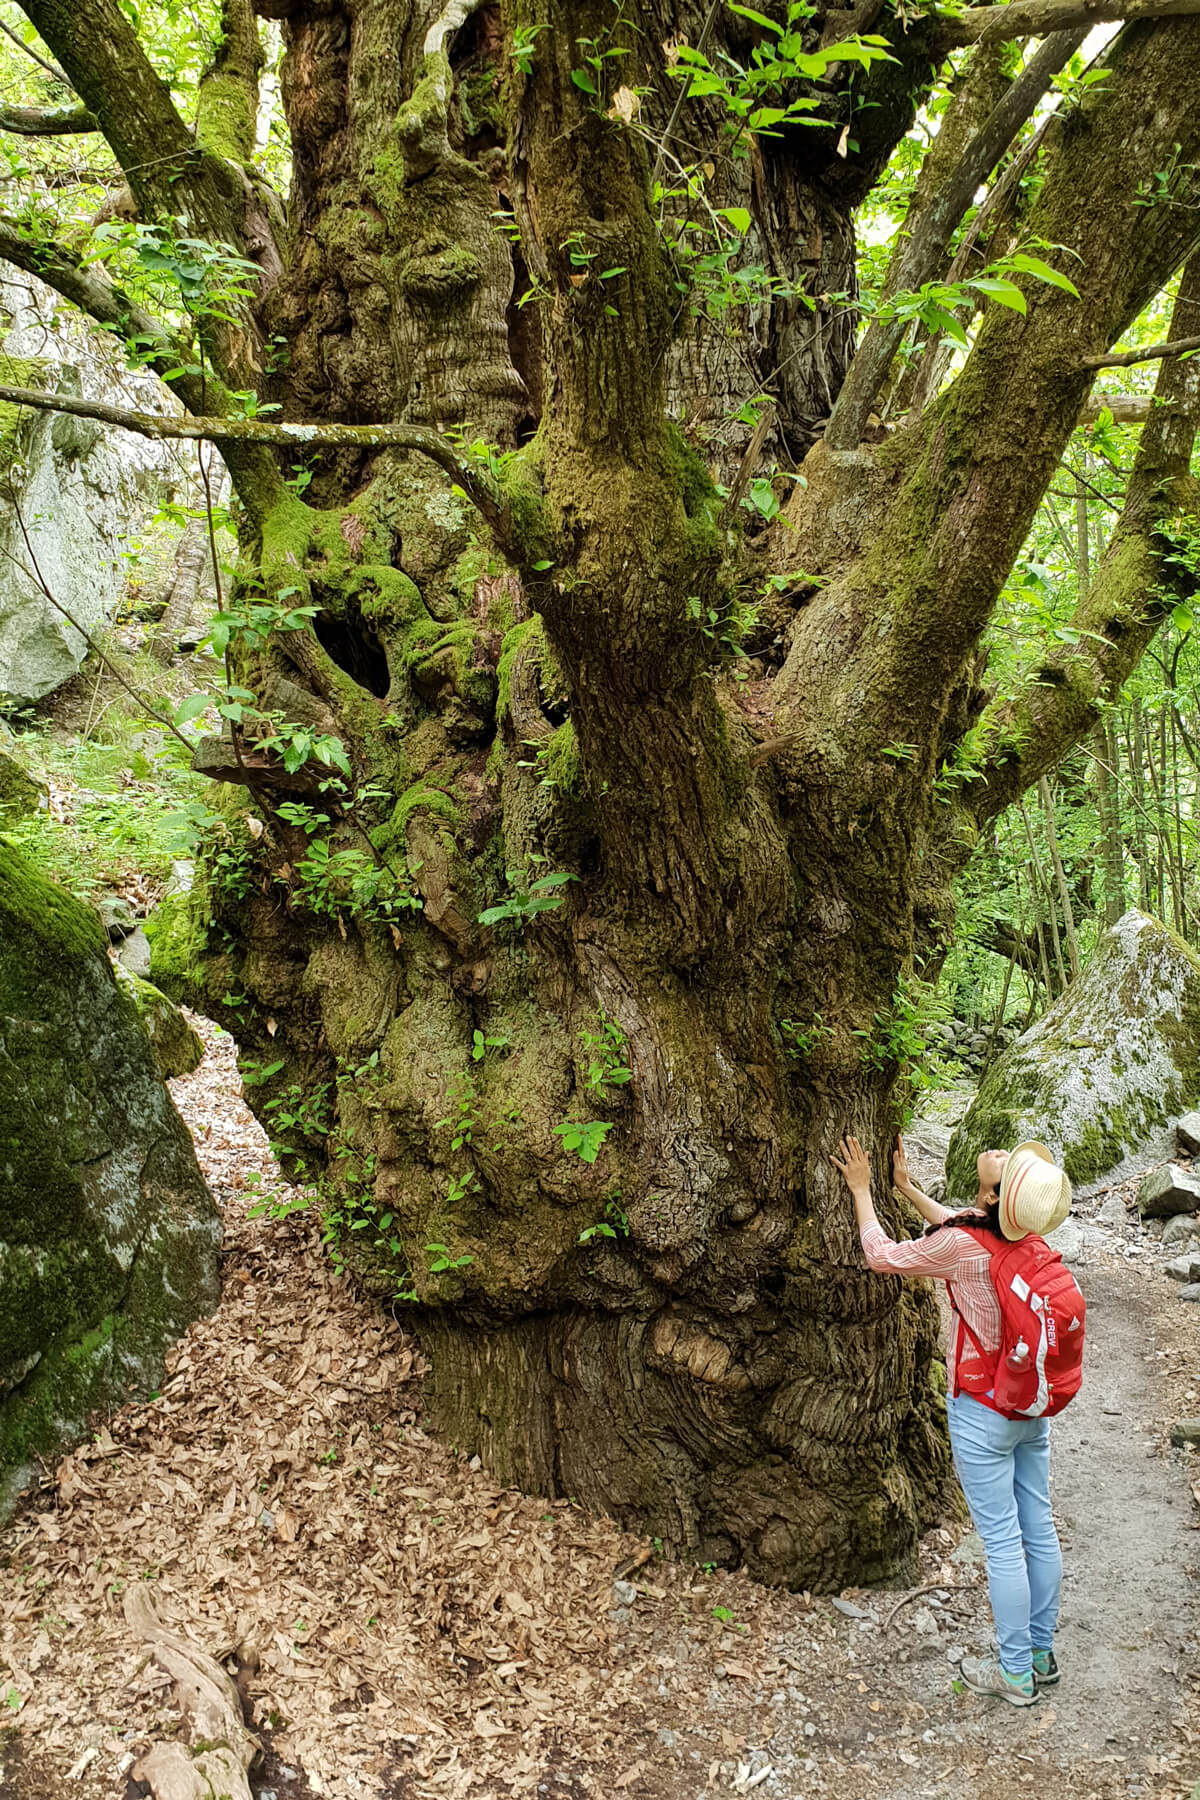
column 680, row 1329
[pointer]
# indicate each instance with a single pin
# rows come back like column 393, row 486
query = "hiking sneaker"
column 1045, row 1669
column 985, row 1675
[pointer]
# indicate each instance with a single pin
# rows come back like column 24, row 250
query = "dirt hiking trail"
column 402, row 1629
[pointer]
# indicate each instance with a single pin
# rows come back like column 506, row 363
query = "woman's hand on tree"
column 852, row 1165
column 900, row 1175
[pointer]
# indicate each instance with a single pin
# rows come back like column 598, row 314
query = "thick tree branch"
column 880, row 650
column 1137, row 584
column 46, row 121
column 227, row 99
column 1126, row 409
column 1125, row 359
column 107, row 67
column 233, row 434
column 930, row 230
column 1038, row 18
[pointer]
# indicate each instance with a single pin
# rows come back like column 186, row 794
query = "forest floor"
column 402, row 1629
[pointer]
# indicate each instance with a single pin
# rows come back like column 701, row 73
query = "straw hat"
column 1035, row 1195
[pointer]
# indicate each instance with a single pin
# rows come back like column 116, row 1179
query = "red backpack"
column 1041, row 1307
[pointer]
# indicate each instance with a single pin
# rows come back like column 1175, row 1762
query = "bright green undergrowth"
column 123, row 803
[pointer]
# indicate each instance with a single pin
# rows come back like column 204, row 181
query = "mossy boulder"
column 20, row 794
column 1111, row 1063
column 178, row 1049
column 178, row 938
column 108, row 1235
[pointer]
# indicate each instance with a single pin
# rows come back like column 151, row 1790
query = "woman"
column 1003, row 1464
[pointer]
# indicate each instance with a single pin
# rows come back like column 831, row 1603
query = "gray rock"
column 1068, row 1241
column 117, row 917
column 848, row 1608
column 82, row 491
column 1187, row 1133
column 1168, row 1191
column 930, row 1136
column 109, row 1238
column 134, row 953
column 1191, row 1291
column 1185, row 1431
column 1109, row 1065
column 1179, row 1231
column 971, row 1550
column 1183, row 1268
column 624, row 1593
column 1113, row 1211
column 177, row 1048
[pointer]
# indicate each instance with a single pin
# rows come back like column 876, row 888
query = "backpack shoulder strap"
column 982, row 1239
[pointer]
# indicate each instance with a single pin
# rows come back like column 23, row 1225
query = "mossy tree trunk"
column 681, row 1330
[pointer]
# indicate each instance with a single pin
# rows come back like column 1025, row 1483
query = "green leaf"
column 738, row 216
column 544, row 564
column 1004, row 293
column 756, row 18
column 583, row 80
column 764, row 116
column 938, row 319
column 1041, row 271
column 192, row 707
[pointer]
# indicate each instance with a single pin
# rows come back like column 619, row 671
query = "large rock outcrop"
column 1114, row 1060
column 108, row 1235
column 72, row 492
column 69, row 496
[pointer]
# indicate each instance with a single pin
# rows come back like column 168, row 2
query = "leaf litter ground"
column 403, row 1629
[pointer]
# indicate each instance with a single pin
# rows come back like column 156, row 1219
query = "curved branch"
column 46, row 121
column 1138, row 583
column 451, row 19
column 230, row 435
column 1038, row 18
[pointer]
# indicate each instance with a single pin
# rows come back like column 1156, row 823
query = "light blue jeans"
column 1004, row 1467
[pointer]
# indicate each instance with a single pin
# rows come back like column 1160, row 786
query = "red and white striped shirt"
column 955, row 1257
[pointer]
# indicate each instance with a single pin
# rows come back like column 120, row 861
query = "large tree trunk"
column 681, row 1329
